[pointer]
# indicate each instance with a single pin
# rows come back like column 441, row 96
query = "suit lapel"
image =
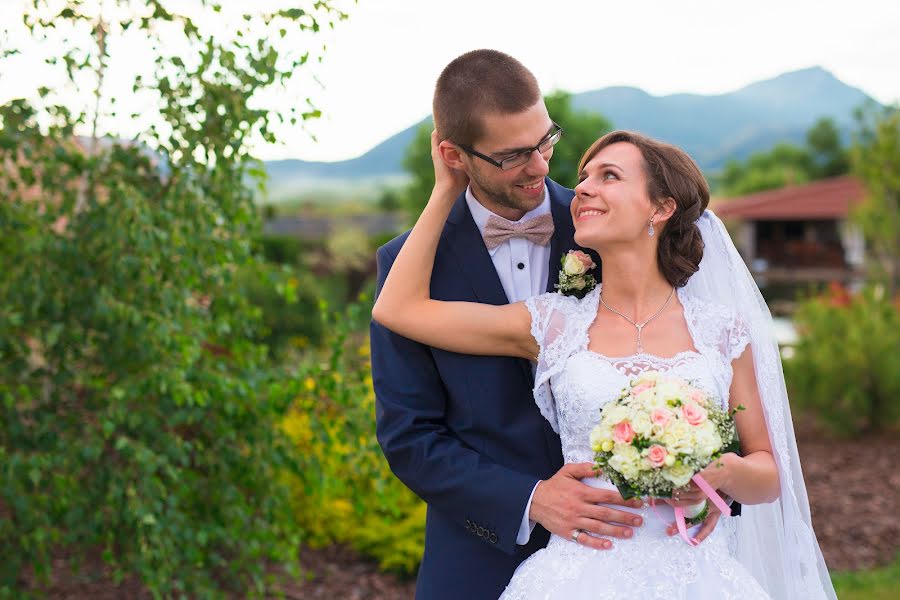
column 563, row 231
column 474, row 259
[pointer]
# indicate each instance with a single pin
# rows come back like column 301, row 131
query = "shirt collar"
column 481, row 214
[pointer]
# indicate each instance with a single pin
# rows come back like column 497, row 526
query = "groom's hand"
column 563, row 504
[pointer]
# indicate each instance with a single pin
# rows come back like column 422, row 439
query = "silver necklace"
column 640, row 326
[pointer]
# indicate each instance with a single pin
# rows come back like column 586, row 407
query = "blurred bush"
column 284, row 249
column 139, row 417
column 346, row 492
column 288, row 300
column 845, row 365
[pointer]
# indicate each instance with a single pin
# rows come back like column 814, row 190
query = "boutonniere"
column 574, row 277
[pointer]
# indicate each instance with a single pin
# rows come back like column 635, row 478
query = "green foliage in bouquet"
column 345, row 491
column 845, row 365
column 137, row 416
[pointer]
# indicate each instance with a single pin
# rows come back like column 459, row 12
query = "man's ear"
column 452, row 155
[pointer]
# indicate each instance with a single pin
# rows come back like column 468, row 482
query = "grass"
column 876, row 584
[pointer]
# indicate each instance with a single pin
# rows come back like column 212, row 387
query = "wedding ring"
column 575, row 535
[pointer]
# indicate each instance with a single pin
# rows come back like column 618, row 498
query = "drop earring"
column 650, row 231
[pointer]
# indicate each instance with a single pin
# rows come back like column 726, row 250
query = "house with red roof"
column 799, row 232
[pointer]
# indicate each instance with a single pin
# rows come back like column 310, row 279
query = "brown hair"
column 671, row 173
column 478, row 83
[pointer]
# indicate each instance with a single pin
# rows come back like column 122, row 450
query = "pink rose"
column 694, row 414
column 642, row 387
column 623, row 433
column 660, row 417
column 656, row 455
column 586, row 260
column 698, row 396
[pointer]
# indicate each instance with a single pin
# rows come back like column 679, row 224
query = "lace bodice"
column 573, row 383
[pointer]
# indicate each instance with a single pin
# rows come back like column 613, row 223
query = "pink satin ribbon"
column 679, row 512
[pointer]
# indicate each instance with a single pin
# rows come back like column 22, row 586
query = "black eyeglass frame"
column 517, row 156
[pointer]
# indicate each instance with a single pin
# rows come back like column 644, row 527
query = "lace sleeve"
column 546, row 327
column 737, row 337
column 548, row 324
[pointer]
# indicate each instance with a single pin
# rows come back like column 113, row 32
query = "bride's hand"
column 449, row 183
column 717, row 474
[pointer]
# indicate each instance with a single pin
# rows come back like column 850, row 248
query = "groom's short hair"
column 478, row 83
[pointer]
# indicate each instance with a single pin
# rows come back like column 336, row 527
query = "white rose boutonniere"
column 574, row 277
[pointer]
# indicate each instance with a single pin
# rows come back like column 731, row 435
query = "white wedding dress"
column 651, row 564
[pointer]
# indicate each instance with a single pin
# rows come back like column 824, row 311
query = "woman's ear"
column 664, row 213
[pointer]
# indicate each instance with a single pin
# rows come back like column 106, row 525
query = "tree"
column 580, row 128
column 876, row 161
column 138, row 416
column 786, row 164
column 829, row 156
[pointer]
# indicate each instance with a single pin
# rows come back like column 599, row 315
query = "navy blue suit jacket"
column 463, row 432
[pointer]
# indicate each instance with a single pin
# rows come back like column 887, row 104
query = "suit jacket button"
column 481, row 532
column 493, row 538
column 468, row 524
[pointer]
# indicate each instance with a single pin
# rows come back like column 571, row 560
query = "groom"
column 463, row 432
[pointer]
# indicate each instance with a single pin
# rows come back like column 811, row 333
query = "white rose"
column 573, row 266
column 707, row 441
column 650, row 400
column 615, row 414
column 679, row 475
column 668, row 390
column 641, row 424
column 626, row 460
column 678, row 438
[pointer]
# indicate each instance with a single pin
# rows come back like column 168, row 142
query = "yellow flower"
column 309, row 384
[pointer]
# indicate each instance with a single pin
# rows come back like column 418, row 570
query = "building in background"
column 799, row 233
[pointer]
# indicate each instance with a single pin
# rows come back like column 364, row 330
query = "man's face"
column 513, row 192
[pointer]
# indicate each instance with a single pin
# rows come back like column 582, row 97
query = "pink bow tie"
column 538, row 230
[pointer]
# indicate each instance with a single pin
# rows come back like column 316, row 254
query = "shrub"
column 345, row 491
column 137, row 415
column 845, row 365
column 288, row 300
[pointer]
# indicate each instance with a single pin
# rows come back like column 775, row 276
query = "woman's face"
column 611, row 204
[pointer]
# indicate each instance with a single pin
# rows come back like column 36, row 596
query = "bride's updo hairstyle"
column 671, row 173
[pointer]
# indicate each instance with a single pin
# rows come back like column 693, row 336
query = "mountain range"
column 711, row 128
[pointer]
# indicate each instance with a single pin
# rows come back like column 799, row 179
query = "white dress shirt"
column 523, row 267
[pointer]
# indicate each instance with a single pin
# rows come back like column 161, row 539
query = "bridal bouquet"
column 659, row 434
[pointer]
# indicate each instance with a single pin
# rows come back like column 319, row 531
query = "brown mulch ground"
column 854, row 490
column 854, row 496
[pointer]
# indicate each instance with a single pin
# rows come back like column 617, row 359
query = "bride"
column 675, row 298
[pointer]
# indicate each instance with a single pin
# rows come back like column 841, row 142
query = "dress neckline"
column 594, row 296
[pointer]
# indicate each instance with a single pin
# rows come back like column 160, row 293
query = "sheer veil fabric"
column 775, row 542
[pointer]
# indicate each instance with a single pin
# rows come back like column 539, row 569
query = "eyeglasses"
column 519, row 158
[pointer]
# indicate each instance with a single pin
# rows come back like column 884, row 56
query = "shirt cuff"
column 527, row 525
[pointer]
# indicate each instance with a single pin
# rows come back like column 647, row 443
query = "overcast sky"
column 381, row 64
